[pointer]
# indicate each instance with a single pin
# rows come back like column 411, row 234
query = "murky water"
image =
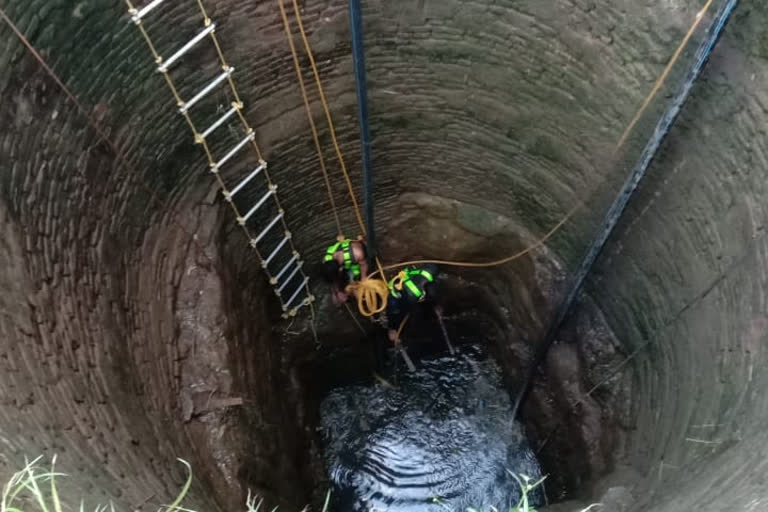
column 446, row 433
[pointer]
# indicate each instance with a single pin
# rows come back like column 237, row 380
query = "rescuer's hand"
column 338, row 297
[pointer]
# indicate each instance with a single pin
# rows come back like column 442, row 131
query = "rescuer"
column 412, row 289
column 345, row 261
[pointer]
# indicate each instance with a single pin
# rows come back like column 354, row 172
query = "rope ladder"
column 278, row 256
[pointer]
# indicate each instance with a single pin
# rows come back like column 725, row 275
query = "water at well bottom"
column 444, row 439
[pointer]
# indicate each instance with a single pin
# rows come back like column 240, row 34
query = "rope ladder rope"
column 288, row 300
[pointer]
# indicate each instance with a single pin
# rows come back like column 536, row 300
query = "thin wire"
column 95, row 125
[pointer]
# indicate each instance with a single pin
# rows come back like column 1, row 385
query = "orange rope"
column 328, row 118
column 663, row 77
column 312, row 125
column 540, row 242
column 368, row 288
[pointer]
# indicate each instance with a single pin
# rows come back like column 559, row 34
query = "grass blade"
column 175, row 505
column 327, row 500
column 54, row 492
column 35, row 489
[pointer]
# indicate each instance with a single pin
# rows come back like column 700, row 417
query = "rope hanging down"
column 328, row 118
column 372, row 293
column 312, row 126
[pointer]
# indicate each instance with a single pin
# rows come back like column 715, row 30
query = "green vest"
column 408, row 283
column 345, row 247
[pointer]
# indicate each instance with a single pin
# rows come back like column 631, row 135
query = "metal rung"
column 231, row 194
column 277, row 249
column 266, row 229
column 288, row 279
column 295, row 294
column 208, row 88
column 145, row 10
column 248, row 138
column 258, row 205
column 219, row 122
column 184, row 49
column 284, row 269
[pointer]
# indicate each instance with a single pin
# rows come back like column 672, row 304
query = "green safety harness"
column 345, row 246
column 405, row 279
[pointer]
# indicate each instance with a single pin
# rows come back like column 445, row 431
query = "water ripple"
column 447, row 432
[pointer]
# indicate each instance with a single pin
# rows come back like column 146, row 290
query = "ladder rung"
column 258, row 205
column 307, row 301
column 288, row 279
column 231, row 194
column 266, row 229
column 184, row 49
column 295, row 294
column 219, row 122
column 208, row 88
column 145, row 10
column 277, row 249
column 232, row 152
column 285, row 268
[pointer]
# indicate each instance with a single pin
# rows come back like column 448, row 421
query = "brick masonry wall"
column 508, row 106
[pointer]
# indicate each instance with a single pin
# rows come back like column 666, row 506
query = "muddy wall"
column 114, row 359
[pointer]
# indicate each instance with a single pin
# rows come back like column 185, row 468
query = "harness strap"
column 405, row 279
column 345, row 246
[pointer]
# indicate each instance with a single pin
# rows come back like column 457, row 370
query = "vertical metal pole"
column 358, row 52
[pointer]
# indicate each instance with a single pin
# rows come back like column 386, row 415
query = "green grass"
column 526, row 487
column 33, row 489
column 30, row 484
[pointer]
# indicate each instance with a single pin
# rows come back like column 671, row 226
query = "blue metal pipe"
column 358, row 52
